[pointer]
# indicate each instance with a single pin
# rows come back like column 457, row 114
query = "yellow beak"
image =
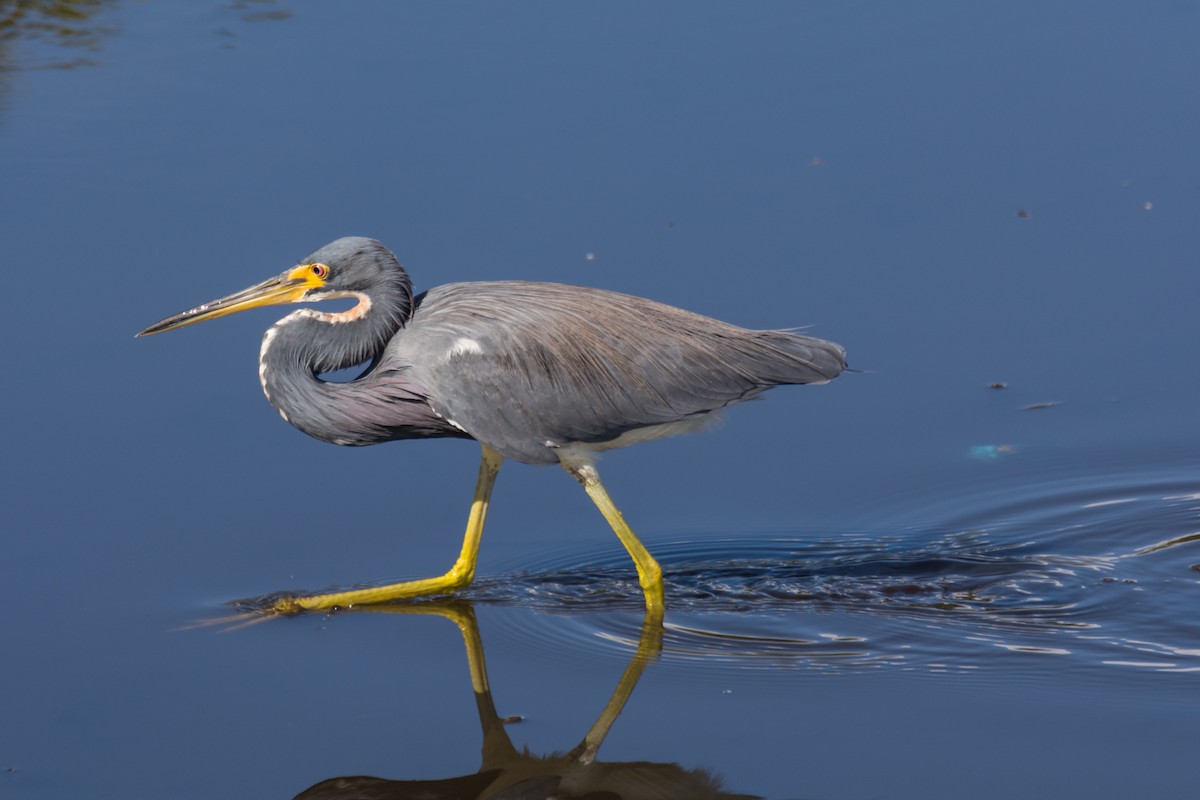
column 289, row 287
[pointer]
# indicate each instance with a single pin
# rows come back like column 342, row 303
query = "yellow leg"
column 459, row 576
column 649, row 572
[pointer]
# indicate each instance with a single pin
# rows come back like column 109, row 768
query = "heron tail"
column 791, row 358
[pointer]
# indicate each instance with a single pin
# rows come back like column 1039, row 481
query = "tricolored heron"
column 541, row 373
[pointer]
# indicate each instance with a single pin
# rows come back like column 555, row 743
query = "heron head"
column 348, row 267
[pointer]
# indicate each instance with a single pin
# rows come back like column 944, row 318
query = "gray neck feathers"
column 372, row 408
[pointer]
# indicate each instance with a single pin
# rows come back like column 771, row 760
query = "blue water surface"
column 971, row 568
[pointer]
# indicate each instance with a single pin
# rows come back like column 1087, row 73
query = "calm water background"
column 903, row 584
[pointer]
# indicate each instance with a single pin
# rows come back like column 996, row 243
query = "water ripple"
column 1090, row 572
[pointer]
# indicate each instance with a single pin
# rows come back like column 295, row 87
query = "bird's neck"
column 308, row 343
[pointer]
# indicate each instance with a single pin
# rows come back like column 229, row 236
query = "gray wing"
column 529, row 367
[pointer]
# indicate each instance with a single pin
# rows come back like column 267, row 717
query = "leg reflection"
column 506, row 772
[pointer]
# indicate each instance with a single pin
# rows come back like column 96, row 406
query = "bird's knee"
column 459, row 577
column 650, row 575
column 585, row 473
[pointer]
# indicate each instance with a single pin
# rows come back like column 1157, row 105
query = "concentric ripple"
column 1090, row 570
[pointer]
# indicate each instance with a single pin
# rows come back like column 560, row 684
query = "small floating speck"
column 1039, row 406
column 1023, row 214
column 998, row 385
column 985, row 452
column 590, row 256
column 1147, row 206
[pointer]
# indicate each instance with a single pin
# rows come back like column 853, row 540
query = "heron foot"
column 288, row 604
column 276, row 604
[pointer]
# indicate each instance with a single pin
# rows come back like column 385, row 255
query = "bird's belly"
column 587, row 452
column 692, row 424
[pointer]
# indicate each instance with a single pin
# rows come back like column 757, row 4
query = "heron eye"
column 320, row 270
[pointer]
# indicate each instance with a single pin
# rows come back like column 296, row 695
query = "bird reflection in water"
column 507, row 773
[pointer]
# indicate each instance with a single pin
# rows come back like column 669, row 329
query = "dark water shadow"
column 73, row 31
column 507, row 773
column 72, row 34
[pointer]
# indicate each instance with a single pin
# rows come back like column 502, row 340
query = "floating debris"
column 1023, row 214
column 1039, row 406
column 987, row 452
column 998, row 385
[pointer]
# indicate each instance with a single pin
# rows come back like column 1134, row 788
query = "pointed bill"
column 288, row 287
